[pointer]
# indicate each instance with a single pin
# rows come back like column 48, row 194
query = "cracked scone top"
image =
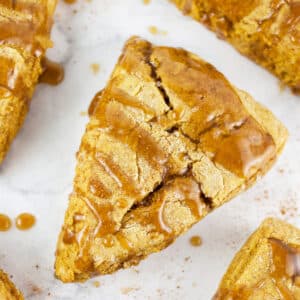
column 267, row 31
column 24, row 37
column 267, row 266
column 169, row 140
column 7, row 289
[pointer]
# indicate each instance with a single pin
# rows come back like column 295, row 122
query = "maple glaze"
column 286, row 266
column 220, row 124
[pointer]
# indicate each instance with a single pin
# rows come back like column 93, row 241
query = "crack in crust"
column 158, row 81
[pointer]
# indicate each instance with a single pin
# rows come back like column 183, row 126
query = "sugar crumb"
column 135, row 270
column 280, row 170
column 95, row 68
column 282, row 86
column 96, row 284
column 289, row 208
column 266, row 194
column 35, row 289
column 127, row 290
column 154, row 30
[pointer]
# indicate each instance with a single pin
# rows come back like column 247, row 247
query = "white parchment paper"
column 38, row 172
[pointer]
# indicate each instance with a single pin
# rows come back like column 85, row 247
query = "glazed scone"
column 267, row 31
column 267, row 267
column 24, row 37
column 169, row 140
column 7, row 289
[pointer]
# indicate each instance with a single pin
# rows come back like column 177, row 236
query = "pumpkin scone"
column 24, row 37
column 7, row 289
column 267, row 31
column 169, row 140
column 267, row 266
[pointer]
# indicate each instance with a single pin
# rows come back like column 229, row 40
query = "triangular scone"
column 24, row 37
column 267, row 31
column 7, row 289
column 267, row 266
column 169, row 140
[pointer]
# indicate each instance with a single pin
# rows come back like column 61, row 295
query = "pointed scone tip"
column 7, row 289
column 267, row 31
column 24, row 37
column 267, row 266
column 169, row 140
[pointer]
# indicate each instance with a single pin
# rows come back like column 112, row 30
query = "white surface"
column 37, row 174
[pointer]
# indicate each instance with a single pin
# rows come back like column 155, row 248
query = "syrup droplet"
column 53, row 73
column 196, row 241
column 5, row 222
column 68, row 237
column 25, row 221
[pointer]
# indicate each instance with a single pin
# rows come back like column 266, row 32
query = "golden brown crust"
column 169, row 139
column 7, row 289
column 267, row 266
column 267, row 31
column 24, row 37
